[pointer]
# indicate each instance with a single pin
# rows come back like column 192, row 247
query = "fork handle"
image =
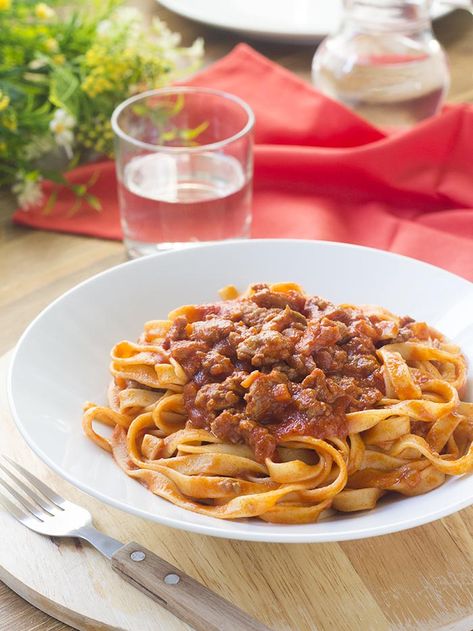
column 186, row 598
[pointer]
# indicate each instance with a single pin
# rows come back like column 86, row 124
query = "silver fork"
column 38, row 507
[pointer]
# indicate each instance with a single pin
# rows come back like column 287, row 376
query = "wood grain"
column 36, row 267
column 186, row 598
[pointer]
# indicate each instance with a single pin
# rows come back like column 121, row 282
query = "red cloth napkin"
column 323, row 173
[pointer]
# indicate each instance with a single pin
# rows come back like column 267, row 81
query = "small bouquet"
column 63, row 70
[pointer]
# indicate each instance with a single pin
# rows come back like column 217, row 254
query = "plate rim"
column 311, row 36
column 213, row 530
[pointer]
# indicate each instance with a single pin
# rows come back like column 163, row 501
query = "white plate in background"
column 301, row 21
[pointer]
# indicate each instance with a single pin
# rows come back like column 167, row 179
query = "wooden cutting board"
column 421, row 579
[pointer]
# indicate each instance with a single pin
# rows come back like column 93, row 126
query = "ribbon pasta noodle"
column 279, row 405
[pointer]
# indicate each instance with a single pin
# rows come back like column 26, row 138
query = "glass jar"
column 384, row 62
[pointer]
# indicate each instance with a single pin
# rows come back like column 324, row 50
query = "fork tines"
column 40, row 501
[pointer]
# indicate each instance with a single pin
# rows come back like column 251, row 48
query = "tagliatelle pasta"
column 279, row 405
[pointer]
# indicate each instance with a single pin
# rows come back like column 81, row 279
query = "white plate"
column 302, row 21
column 62, row 360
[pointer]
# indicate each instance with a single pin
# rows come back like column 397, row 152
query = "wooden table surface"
column 36, row 266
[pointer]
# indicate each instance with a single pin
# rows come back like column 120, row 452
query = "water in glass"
column 176, row 200
column 184, row 159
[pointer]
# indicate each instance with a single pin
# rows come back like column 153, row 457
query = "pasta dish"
column 280, row 405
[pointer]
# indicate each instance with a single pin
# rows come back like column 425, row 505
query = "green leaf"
column 178, row 105
column 75, row 160
column 79, row 189
column 190, row 134
column 94, row 201
column 54, row 176
column 50, row 203
column 167, row 136
column 93, row 179
column 64, row 90
column 140, row 109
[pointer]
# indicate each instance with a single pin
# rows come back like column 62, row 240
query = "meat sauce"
column 274, row 365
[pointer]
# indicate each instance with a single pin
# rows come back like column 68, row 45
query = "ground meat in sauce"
column 312, row 363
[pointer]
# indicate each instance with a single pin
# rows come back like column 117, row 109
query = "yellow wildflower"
column 8, row 121
column 4, row 101
column 51, row 45
column 88, row 87
column 43, row 11
column 94, row 56
column 95, row 84
column 59, row 59
column 5, row 5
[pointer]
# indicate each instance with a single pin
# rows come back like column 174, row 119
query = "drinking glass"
column 184, row 160
column 384, row 62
